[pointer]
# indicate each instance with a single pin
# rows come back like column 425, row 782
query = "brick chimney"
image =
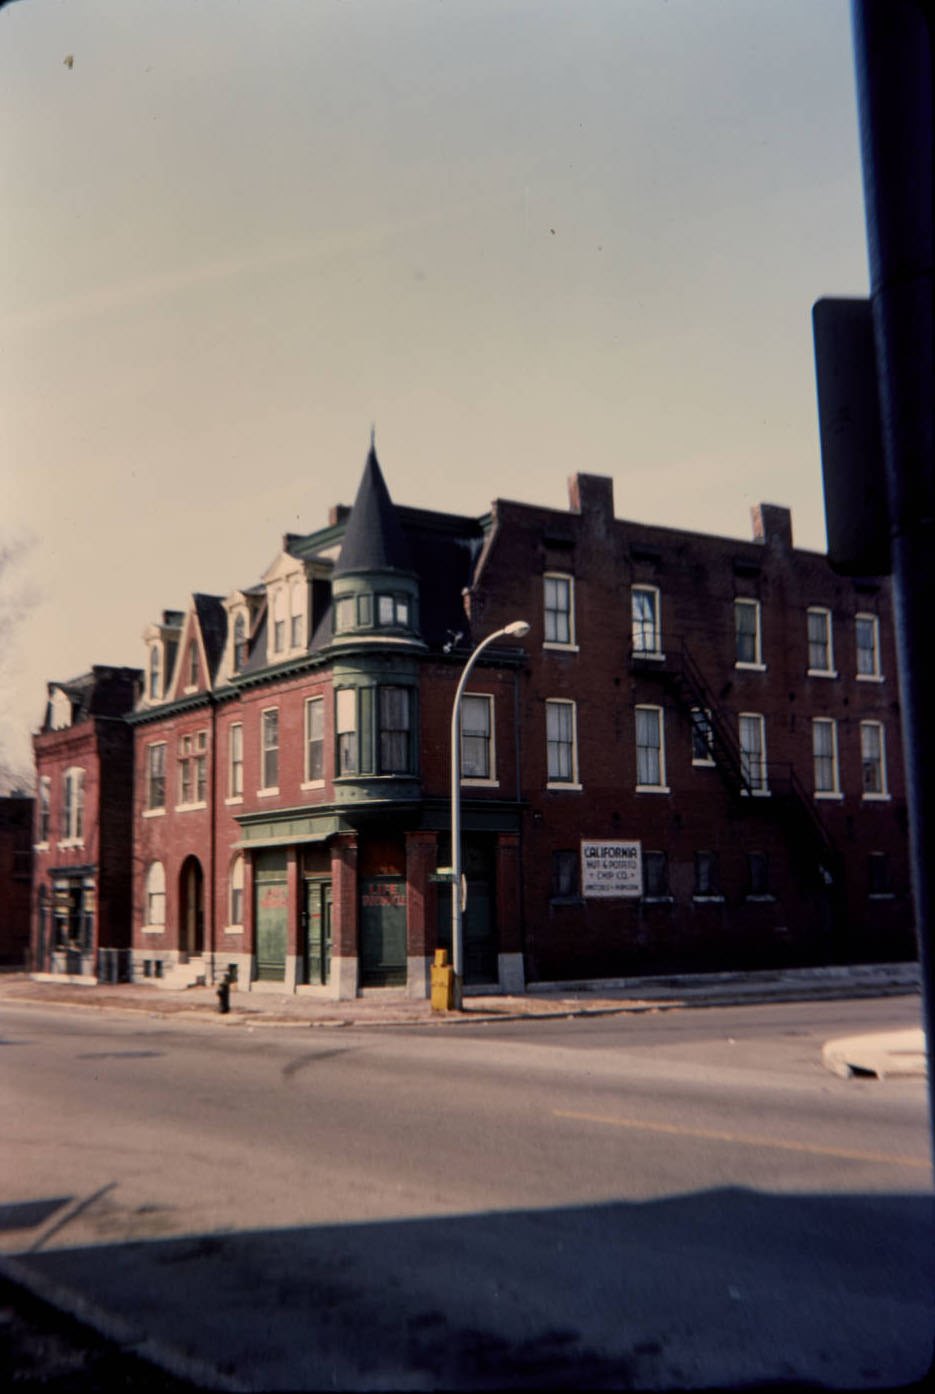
column 591, row 494
column 772, row 523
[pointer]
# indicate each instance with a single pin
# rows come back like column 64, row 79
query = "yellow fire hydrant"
column 443, row 982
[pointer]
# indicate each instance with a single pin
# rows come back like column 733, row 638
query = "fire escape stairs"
column 789, row 803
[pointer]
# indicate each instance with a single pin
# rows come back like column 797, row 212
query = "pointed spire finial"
column 373, row 438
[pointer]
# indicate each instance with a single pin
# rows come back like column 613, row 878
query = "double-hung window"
column 749, row 647
column 269, row 748
column 558, row 612
column 702, row 737
column 477, row 737
column 192, row 664
column 154, row 906
column 645, row 611
column 235, row 757
column 820, row 643
column 156, row 776
column 279, row 621
column 825, row 757
column 650, row 750
column 707, row 876
column 752, row 730
column 155, row 671
column 73, row 806
column 561, row 742
column 240, row 642
column 873, row 760
column 236, row 891
column 296, row 615
column 346, row 729
column 867, row 634
column 44, row 818
column 656, row 876
column 314, row 740
column 185, row 770
column 395, row 729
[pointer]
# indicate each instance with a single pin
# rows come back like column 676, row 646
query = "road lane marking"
column 746, row 1139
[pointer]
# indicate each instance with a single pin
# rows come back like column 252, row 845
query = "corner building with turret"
column 690, row 763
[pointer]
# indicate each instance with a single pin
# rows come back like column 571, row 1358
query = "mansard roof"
column 105, row 691
column 212, row 621
column 373, row 538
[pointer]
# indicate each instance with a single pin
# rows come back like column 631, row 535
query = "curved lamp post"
column 516, row 630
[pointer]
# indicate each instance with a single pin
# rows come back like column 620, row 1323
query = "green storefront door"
column 317, row 931
column 478, row 923
column 272, row 915
column 383, row 932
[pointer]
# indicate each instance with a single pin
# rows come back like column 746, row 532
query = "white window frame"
column 346, row 724
column 490, row 778
column 154, row 899
column 829, row 670
column 568, row 645
column 758, row 788
column 154, row 810
column 832, row 791
column 154, row 680
column 71, row 833
column 876, row 675
column 755, row 665
column 266, row 790
column 234, row 763
column 645, row 708
column 278, row 618
column 701, row 724
column 556, row 781
column 193, row 665
column 235, row 921
column 882, row 794
column 313, row 781
column 637, row 630
column 240, row 640
column 296, row 615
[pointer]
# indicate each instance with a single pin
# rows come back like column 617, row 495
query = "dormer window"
column 297, row 615
column 61, row 710
column 155, row 671
column 240, row 642
column 344, row 614
column 279, row 622
column 393, row 610
column 193, row 664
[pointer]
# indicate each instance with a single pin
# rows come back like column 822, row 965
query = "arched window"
column 155, row 670
column 154, row 909
column 236, row 891
column 297, row 615
column 240, row 642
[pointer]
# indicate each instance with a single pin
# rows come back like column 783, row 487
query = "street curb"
column 125, row 1335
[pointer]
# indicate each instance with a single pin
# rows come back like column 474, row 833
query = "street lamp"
column 517, row 630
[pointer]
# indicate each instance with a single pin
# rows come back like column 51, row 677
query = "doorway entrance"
column 271, row 903
column 191, row 909
column 316, row 907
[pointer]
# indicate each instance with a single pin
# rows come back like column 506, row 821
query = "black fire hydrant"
column 224, row 996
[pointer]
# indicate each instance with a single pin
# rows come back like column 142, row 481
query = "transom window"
column 820, row 646
column 558, row 599
column 650, row 749
column 873, row 760
column 561, row 742
column 825, row 755
column 269, row 748
column 646, row 620
column 476, row 736
column 314, row 739
column 868, row 646
column 752, row 728
column 156, row 776
column 747, row 631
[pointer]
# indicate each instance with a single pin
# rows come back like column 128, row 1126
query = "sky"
column 520, row 238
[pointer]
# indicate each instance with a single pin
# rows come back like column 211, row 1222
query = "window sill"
column 313, row 784
column 882, row 895
column 187, row 807
column 756, row 793
column 40, row 847
column 653, row 789
column 154, row 812
column 70, row 843
column 869, row 677
column 760, row 899
column 480, row 783
column 153, row 929
column 704, row 764
column 234, row 799
column 232, row 929
column 189, row 688
column 267, row 793
column 566, row 900
column 834, row 795
column 821, row 673
column 864, row 798
column 565, row 784
column 708, row 899
column 750, row 667
column 650, row 655
column 658, row 899
column 560, row 648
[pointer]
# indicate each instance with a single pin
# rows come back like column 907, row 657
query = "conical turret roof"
column 374, row 539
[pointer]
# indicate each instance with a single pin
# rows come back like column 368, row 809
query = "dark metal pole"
column 893, row 41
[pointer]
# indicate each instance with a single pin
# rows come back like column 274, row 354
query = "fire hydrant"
column 224, row 995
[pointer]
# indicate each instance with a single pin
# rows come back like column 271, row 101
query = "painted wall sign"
column 273, row 898
column 611, row 869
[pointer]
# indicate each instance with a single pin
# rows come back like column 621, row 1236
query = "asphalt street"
column 681, row 1198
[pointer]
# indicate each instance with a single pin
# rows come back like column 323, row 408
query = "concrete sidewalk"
column 886, row 1055
column 392, row 1007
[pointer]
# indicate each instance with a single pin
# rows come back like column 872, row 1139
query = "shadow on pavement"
column 719, row 1288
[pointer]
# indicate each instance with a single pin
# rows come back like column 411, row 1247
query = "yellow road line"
column 746, row 1139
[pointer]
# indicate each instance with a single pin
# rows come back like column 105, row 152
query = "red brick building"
column 16, row 820
column 83, row 847
column 691, row 761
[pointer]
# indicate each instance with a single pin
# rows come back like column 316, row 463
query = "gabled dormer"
column 288, row 607
column 375, row 589
column 201, row 643
column 162, row 645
